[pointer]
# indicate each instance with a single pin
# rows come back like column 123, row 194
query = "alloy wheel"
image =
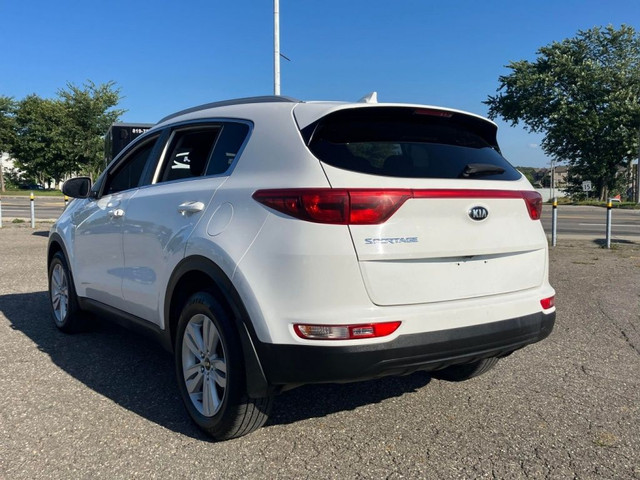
column 204, row 364
column 59, row 294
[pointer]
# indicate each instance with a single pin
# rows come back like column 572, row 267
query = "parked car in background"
column 31, row 186
column 270, row 243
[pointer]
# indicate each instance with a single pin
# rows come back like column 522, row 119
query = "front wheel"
column 210, row 371
column 65, row 311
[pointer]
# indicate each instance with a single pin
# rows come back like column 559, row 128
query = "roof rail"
column 237, row 101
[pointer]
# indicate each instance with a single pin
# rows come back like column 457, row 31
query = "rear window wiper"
column 479, row 169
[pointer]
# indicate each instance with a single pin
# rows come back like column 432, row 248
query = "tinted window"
column 189, row 153
column 229, row 142
column 408, row 142
column 128, row 173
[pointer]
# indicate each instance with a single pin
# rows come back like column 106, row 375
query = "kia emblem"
column 478, row 213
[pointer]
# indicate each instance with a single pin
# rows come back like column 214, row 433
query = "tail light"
column 339, row 206
column 335, row 206
column 534, row 204
column 432, row 112
column 548, row 303
column 345, row 332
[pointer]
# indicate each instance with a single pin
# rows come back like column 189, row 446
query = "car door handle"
column 116, row 213
column 188, row 208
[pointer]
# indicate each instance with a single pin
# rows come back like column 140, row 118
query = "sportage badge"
column 478, row 213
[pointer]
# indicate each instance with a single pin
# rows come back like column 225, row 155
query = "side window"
column 229, row 142
column 127, row 175
column 189, row 153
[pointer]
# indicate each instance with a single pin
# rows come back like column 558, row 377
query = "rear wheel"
column 65, row 311
column 459, row 373
column 210, row 371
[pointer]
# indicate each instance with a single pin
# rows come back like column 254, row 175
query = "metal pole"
column 33, row 211
column 609, row 224
column 66, row 202
column 554, row 222
column 276, row 47
column 0, row 212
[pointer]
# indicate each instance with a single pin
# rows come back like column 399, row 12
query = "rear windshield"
column 409, row 142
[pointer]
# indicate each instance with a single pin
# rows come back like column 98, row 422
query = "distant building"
column 7, row 168
column 119, row 136
column 561, row 175
column 6, row 161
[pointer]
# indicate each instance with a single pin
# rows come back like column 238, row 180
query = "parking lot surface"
column 104, row 404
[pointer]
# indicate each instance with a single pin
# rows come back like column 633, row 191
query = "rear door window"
column 188, row 153
column 409, row 142
column 203, row 150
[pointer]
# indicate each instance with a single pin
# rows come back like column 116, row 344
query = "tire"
column 460, row 373
column 211, row 375
column 63, row 300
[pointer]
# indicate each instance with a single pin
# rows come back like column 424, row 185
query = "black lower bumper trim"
column 303, row 364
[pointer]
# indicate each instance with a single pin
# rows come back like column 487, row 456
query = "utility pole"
column 276, row 47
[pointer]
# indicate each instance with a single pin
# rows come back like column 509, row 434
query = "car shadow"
column 320, row 400
column 137, row 374
column 41, row 233
column 602, row 243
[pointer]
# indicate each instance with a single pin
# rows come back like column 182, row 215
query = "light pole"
column 276, row 47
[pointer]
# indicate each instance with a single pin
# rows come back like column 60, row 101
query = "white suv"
column 271, row 243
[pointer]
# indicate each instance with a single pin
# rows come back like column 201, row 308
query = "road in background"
column 591, row 221
column 46, row 208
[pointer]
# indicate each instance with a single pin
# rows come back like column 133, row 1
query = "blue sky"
column 166, row 56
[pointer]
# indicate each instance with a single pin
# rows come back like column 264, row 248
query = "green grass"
column 26, row 193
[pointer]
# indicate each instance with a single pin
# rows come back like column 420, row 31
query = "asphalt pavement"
column 104, row 404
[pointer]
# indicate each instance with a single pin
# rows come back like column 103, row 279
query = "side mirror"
column 78, row 187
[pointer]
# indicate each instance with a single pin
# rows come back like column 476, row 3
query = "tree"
column 56, row 138
column 7, row 131
column 528, row 172
column 90, row 111
column 41, row 146
column 583, row 94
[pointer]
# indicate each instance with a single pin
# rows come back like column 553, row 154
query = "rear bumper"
column 302, row 364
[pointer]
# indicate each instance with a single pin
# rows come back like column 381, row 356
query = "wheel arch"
column 198, row 273
column 55, row 245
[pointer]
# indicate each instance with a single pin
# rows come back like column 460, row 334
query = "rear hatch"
column 463, row 222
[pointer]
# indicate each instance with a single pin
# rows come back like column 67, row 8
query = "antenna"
column 369, row 98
